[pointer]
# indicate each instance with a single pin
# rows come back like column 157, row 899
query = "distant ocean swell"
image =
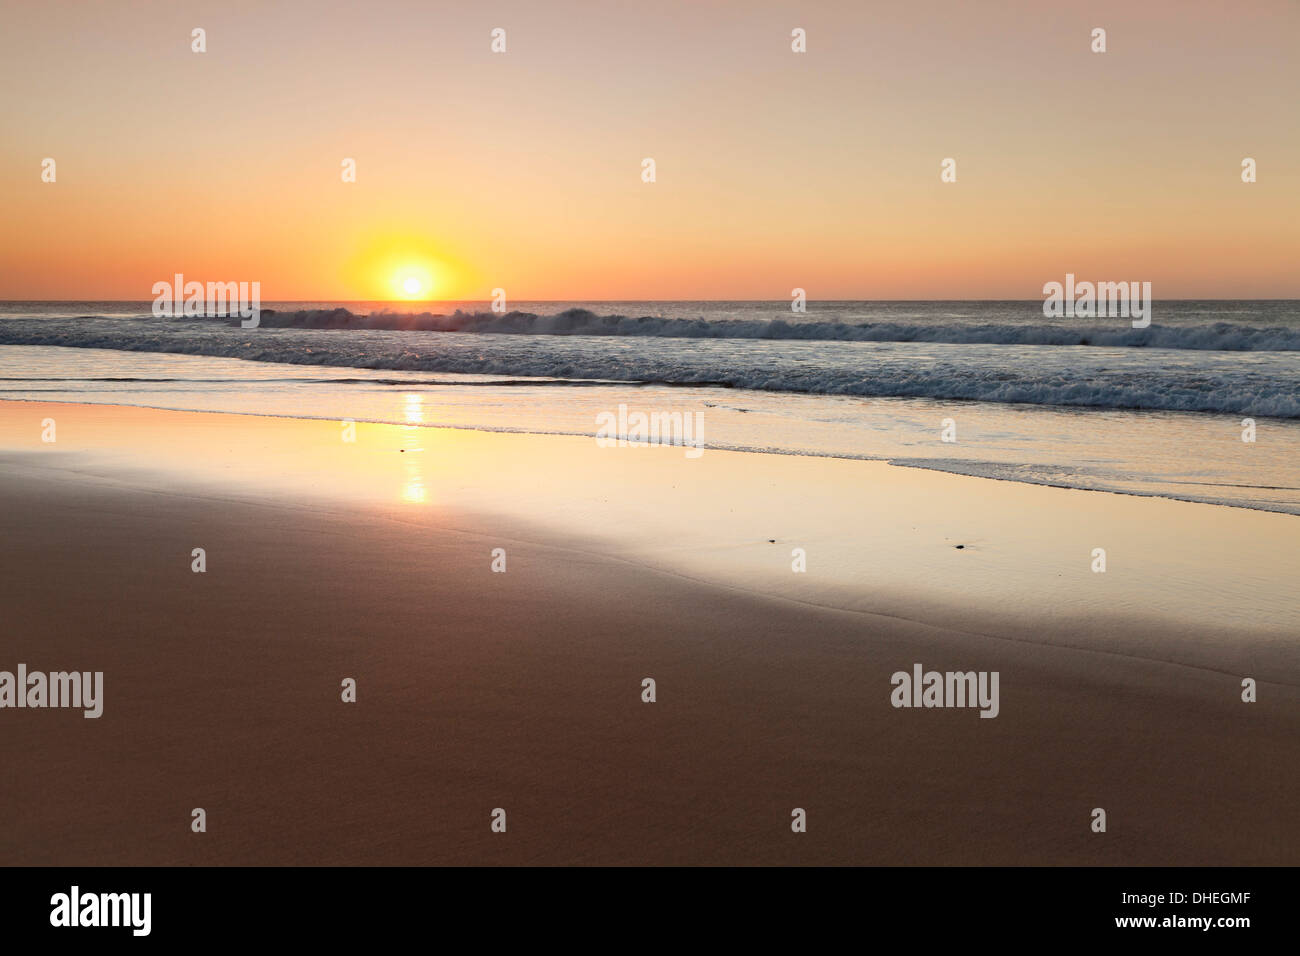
column 1115, row 333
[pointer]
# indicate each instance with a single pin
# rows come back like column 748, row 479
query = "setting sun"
column 396, row 263
column 413, row 283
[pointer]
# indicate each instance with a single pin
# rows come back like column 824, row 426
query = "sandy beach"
column 522, row 690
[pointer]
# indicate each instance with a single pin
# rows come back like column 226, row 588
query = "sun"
column 413, row 283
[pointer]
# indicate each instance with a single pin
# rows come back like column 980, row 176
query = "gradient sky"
column 775, row 169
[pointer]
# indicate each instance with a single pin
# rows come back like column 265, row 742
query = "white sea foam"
column 1217, row 336
column 1254, row 383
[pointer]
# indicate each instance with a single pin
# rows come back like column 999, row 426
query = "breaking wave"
column 1219, row 336
column 1257, row 384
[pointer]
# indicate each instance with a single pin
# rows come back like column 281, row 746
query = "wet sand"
column 523, row 690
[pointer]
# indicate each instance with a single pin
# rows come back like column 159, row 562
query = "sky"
column 774, row 169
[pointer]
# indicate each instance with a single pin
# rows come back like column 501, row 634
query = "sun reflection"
column 413, row 489
column 413, row 407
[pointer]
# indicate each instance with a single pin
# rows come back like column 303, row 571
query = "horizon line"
column 600, row 301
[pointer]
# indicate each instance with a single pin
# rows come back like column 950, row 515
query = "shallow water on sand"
column 1192, row 456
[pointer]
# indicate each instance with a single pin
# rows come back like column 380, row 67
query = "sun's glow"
column 386, row 259
column 412, row 282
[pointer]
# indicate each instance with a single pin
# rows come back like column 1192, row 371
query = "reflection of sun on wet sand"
column 372, row 560
column 413, row 490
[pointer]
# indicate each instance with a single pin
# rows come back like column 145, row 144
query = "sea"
column 1202, row 405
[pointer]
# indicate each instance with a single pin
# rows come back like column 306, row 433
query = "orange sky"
column 522, row 170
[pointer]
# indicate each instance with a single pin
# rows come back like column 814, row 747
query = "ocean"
column 1087, row 403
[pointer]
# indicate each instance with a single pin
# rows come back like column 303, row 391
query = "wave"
column 1258, row 384
column 1219, row 336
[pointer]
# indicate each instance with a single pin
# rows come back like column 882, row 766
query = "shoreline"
column 922, row 464
column 414, row 470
